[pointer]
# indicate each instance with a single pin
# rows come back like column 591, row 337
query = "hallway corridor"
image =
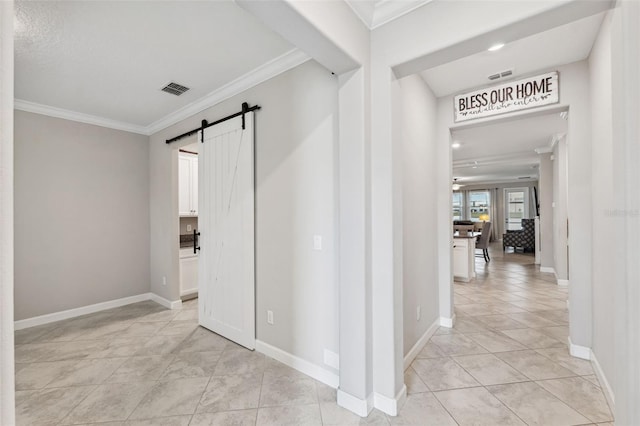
column 506, row 361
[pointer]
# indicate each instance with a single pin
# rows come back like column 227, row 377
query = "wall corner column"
column 355, row 391
column 386, row 244
column 7, row 383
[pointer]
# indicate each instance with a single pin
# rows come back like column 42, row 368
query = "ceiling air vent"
column 501, row 74
column 524, row 177
column 175, row 89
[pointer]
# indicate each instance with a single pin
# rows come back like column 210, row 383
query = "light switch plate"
column 188, row 228
column 317, row 242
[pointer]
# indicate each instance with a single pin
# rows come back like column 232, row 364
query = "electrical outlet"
column 164, row 280
column 188, row 228
column 418, row 313
column 270, row 317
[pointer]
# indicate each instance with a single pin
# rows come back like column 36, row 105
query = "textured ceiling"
column 111, row 58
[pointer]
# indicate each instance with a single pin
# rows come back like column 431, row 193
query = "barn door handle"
column 195, row 241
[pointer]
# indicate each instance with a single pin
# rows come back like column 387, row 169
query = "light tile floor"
column 505, row 362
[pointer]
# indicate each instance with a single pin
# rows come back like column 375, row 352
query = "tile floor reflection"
column 505, row 362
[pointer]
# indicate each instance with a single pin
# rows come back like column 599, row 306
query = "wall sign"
column 509, row 97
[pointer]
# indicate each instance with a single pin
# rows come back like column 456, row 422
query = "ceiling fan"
column 456, row 186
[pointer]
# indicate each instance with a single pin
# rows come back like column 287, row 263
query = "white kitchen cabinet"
column 187, row 184
column 188, row 272
column 464, row 258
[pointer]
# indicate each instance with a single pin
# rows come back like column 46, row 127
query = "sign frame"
column 509, row 97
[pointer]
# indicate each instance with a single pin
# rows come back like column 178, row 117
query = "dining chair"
column 483, row 241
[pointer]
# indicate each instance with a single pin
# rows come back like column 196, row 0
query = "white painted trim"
column 66, row 114
column 415, row 350
column 387, row 11
column 303, row 366
column 563, row 283
column 171, row 304
column 277, row 66
column 97, row 307
column 361, row 407
column 188, row 291
column 547, row 270
column 76, row 312
column 448, row 322
column 390, row 406
column 578, row 351
column 604, row 383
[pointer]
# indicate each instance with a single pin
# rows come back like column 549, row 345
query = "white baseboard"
column 578, row 351
column 563, row 283
column 604, row 383
column 390, row 406
column 175, row 304
column 90, row 309
column 361, row 407
column 415, row 350
column 548, row 270
column 448, row 322
column 76, row 312
column 189, row 291
column 303, row 366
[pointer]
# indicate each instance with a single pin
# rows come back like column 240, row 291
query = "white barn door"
column 226, row 279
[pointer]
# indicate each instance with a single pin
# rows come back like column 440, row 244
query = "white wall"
column 626, row 157
column 184, row 221
column 545, row 199
column 81, row 214
column 7, row 393
column 296, row 191
column 419, row 248
column 560, row 254
column 606, row 223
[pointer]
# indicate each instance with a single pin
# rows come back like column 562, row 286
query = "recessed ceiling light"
column 495, row 47
column 455, row 145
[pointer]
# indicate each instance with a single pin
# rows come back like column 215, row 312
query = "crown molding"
column 282, row 63
column 544, row 149
column 388, row 10
column 22, row 105
column 277, row 66
column 363, row 10
column 378, row 13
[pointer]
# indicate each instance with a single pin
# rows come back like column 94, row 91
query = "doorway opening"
column 188, row 217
